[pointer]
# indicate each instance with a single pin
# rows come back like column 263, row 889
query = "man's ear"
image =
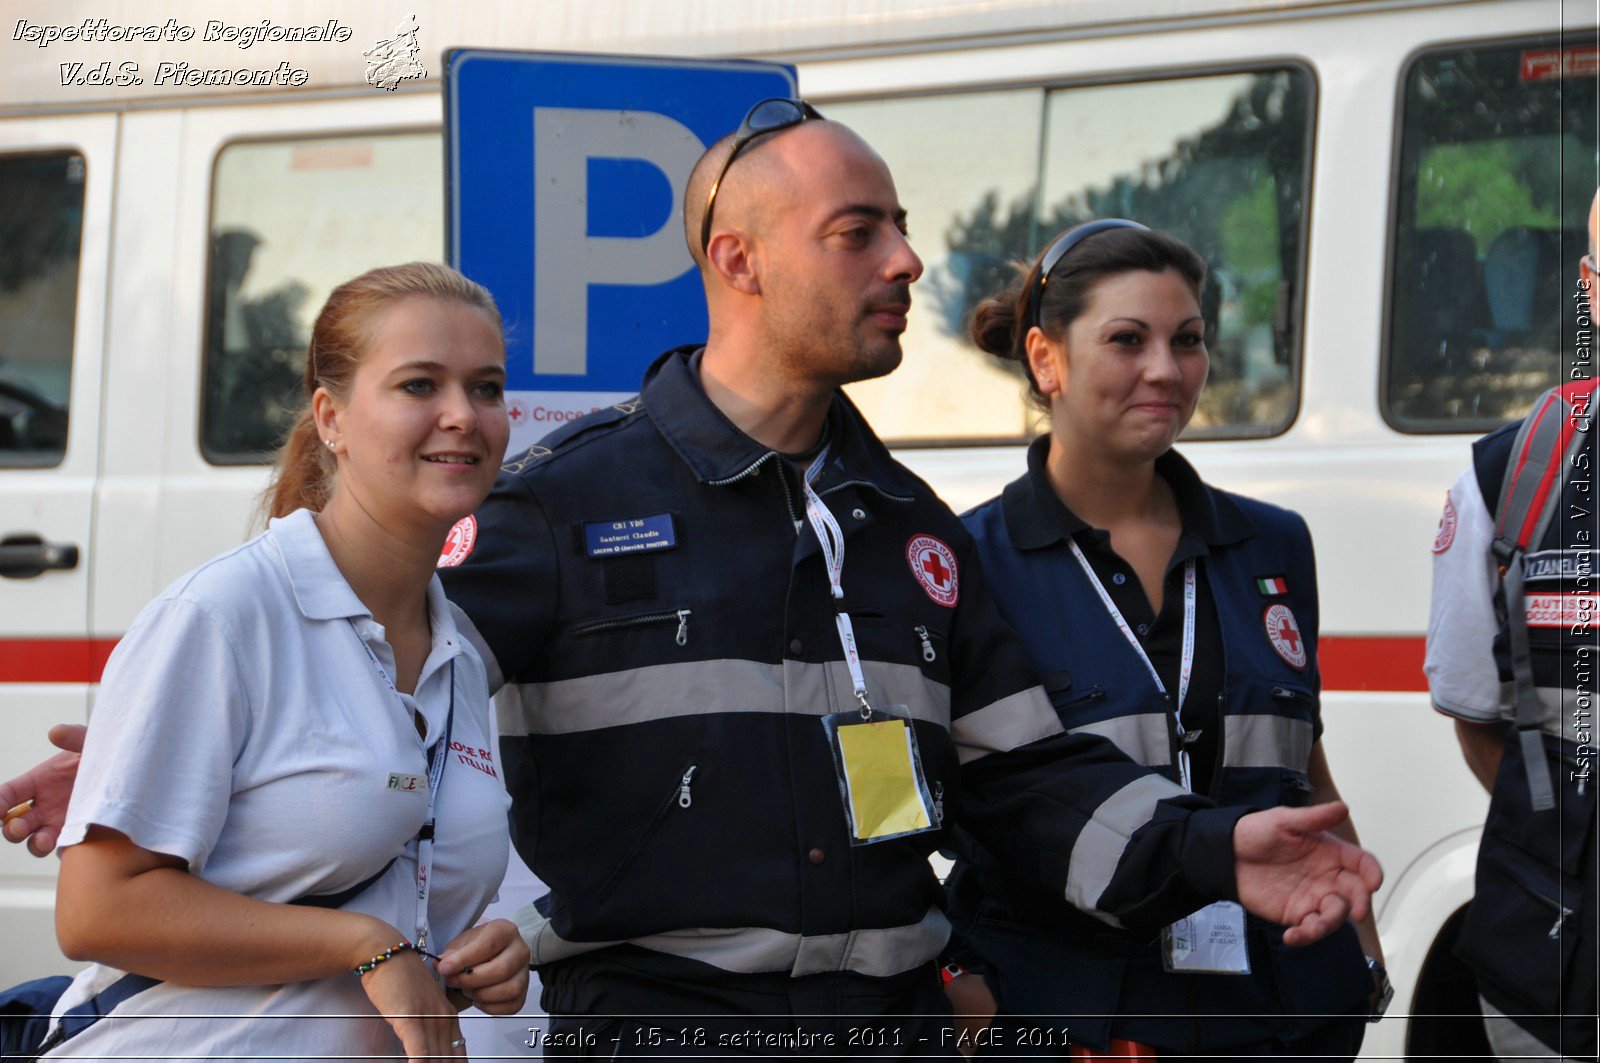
column 735, row 260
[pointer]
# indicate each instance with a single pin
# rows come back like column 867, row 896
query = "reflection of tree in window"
column 1497, row 170
column 255, row 353
column 41, row 229
column 1233, row 191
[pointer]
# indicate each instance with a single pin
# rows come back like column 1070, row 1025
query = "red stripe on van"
column 53, row 660
column 1348, row 662
column 1354, row 662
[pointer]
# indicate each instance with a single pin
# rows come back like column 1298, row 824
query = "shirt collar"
column 1036, row 517
column 717, row 452
column 320, row 589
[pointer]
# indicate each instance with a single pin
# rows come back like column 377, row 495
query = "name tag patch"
column 636, row 535
column 407, row 784
column 1558, row 565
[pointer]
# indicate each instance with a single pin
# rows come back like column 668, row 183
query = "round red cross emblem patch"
column 934, row 565
column 458, row 544
column 1447, row 527
column 1284, row 633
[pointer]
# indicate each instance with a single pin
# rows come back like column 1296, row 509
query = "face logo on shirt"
column 934, row 565
column 1284, row 634
column 1447, row 527
column 459, row 543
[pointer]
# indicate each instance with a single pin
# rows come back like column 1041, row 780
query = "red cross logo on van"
column 934, row 565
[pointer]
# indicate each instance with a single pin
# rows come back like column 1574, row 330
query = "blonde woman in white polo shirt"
column 248, row 842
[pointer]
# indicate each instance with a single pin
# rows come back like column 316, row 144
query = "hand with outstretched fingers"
column 48, row 785
column 1292, row 871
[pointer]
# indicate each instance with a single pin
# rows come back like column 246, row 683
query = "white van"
column 1391, row 196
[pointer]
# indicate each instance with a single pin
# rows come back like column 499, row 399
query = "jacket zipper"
column 679, row 794
column 680, row 615
column 754, row 466
column 1562, row 911
column 863, row 483
column 927, row 643
column 1218, row 758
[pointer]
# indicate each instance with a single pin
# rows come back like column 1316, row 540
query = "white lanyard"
column 1185, row 662
column 831, row 537
column 435, row 776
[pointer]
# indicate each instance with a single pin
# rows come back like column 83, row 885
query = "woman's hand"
column 972, row 1007
column 408, row 997
column 489, row 966
column 1292, row 871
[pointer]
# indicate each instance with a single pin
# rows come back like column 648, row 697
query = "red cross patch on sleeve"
column 1447, row 526
column 934, row 565
column 1284, row 634
column 459, row 543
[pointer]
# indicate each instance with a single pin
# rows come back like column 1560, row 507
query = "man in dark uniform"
column 750, row 670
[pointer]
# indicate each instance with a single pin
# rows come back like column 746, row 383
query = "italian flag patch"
column 1272, row 585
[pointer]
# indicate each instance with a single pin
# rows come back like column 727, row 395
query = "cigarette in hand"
column 16, row 813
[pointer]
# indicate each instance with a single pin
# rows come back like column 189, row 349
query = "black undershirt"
column 1161, row 635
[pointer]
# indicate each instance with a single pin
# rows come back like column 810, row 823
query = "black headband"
column 1058, row 250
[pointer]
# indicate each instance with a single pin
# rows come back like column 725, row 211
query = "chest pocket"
column 900, row 639
column 1268, row 733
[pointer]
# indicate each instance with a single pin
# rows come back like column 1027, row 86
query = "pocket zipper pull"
column 938, row 803
column 683, row 640
column 927, row 644
column 684, row 800
column 1555, row 931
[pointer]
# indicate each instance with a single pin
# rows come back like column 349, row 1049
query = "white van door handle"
column 26, row 556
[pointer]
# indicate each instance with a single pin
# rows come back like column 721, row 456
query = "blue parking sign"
column 565, row 174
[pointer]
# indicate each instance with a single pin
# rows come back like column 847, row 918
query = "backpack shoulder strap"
column 1540, row 458
column 1530, row 494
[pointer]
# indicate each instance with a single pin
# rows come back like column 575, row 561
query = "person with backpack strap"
column 1511, row 655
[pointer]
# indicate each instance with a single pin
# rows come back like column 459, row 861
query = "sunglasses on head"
column 768, row 116
column 1058, row 250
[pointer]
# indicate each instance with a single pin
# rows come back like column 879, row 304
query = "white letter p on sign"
column 567, row 260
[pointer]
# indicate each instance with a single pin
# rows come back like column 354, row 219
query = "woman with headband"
column 1181, row 622
column 276, row 847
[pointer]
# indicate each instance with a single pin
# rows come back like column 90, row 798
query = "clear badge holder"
column 879, row 770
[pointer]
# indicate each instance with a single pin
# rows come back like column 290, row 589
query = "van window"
column 1496, row 171
column 1219, row 160
column 41, row 232
column 965, row 167
column 290, row 220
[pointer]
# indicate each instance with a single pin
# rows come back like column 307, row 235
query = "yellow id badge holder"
column 880, row 775
column 1210, row 941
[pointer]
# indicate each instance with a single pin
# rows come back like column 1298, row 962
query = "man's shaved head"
column 759, row 183
column 733, row 205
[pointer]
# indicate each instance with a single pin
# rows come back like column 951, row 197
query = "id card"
column 880, row 776
column 1210, row 941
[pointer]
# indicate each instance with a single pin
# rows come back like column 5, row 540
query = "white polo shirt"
column 1462, row 676
column 242, row 727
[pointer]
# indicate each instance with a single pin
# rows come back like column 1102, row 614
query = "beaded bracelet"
column 386, row 954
